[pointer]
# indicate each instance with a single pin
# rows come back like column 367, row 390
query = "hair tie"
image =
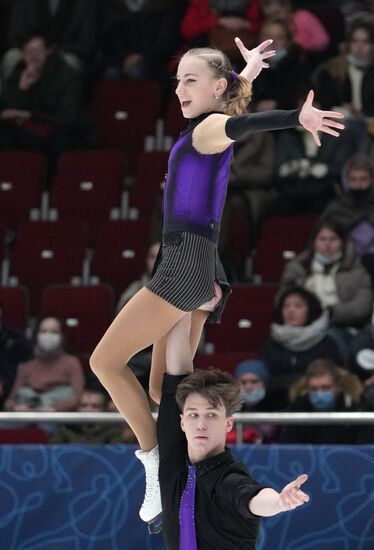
column 234, row 75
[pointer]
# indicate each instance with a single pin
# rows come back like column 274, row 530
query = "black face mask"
column 360, row 194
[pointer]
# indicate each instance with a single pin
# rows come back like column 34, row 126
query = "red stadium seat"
column 150, row 177
column 119, row 255
column 47, row 253
column 22, row 177
column 88, row 185
column 281, row 238
column 12, row 436
column 14, row 302
column 125, row 112
column 246, row 319
column 86, row 310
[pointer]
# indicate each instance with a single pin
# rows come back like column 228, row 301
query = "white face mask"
column 48, row 341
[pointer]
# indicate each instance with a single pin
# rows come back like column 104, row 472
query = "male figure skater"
column 210, row 502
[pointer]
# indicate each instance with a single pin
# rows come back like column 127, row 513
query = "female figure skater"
column 189, row 276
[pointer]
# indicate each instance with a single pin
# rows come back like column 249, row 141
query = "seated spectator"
column 346, row 82
column 289, row 73
column 249, row 194
column 298, row 335
column 253, row 377
column 133, row 288
column 325, row 387
column 53, row 380
column 305, row 174
column 216, row 23
column 14, row 349
column 353, row 210
column 69, row 25
column 307, row 30
column 331, row 269
column 362, row 355
column 354, row 9
column 137, row 39
column 92, row 399
column 41, row 103
column 366, row 433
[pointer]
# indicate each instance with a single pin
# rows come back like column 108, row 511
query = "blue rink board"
column 79, row 497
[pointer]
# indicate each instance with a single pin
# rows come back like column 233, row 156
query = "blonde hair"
column 238, row 92
column 348, row 382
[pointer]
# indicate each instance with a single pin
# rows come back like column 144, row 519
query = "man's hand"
column 17, row 115
column 233, row 23
column 292, row 496
column 316, row 120
column 255, row 58
column 29, row 76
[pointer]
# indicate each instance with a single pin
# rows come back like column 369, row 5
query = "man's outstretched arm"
column 269, row 502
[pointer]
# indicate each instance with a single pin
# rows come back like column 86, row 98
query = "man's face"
column 35, row 53
column 205, row 427
column 359, row 178
column 361, row 46
column 91, row 402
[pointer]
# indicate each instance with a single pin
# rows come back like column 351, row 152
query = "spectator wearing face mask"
column 346, row 82
column 353, row 210
column 253, row 377
column 93, row 399
column 53, row 380
column 325, row 387
column 330, row 268
column 298, row 335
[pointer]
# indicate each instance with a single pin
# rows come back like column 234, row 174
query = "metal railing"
column 241, row 419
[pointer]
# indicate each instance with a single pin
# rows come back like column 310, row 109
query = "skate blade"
column 155, row 526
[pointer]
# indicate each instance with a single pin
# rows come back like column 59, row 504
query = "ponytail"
column 239, row 93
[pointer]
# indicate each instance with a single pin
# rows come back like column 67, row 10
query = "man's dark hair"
column 218, row 387
column 34, row 33
column 361, row 24
column 311, row 300
column 320, row 367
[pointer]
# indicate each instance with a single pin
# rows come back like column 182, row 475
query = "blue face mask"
column 322, row 400
column 327, row 260
column 254, row 396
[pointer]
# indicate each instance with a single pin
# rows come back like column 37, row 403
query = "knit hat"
column 254, row 366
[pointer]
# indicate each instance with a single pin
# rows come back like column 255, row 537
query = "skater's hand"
column 292, row 496
column 255, row 58
column 316, row 120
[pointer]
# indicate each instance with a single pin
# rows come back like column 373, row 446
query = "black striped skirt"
column 185, row 272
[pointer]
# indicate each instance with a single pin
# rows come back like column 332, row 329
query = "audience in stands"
column 346, row 81
column 216, row 23
column 353, row 209
column 366, row 432
column 70, row 26
column 133, row 288
column 362, row 355
column 137, row 39
column 307, row 30
column 253, row 377
column 92, row 399
column 53, row 380
column 305, row 173
column 298, row 335
column 289, row 74
column 331, row 269
column 325, row 387
column 41, row 103
column 249, row 195
column 14, row 349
